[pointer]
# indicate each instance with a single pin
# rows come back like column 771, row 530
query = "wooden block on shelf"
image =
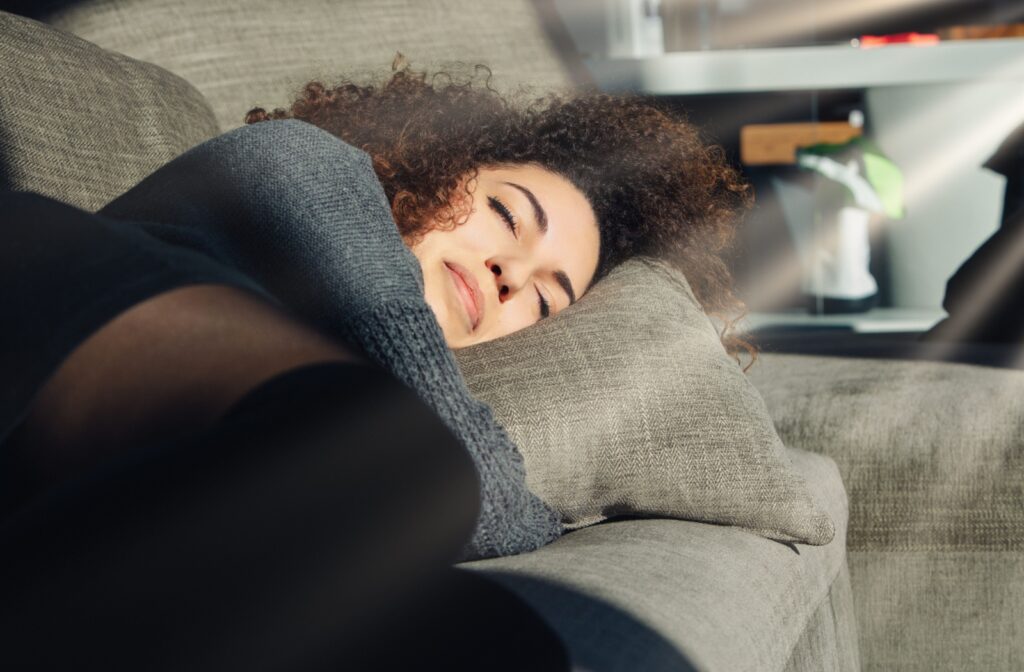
column 773, row 144
column 996, row 32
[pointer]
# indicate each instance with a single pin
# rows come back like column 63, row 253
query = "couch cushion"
column 932, row 453
column 82, row 124
column 626, row 403
column 941, row 611
column 260, row 52
column 662, row 594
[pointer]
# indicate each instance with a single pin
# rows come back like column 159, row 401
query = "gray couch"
column 925, row 570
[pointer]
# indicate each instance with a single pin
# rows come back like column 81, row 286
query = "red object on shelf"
column 870, row 41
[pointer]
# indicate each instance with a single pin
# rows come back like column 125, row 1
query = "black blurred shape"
column 985, row 297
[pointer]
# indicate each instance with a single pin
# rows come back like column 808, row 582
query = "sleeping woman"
column 230, row 396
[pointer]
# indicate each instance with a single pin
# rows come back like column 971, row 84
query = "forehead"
column 563, row 198
column 572, row 240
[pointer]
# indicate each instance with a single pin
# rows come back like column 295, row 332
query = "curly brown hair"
column 657, row 187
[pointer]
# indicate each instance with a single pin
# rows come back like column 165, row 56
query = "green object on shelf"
column 887, row 180
column 876, row 184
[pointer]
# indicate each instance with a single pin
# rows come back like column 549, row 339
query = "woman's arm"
column 303, row 213
column 293, row 206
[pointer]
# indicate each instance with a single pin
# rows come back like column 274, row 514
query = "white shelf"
column 877, row 320
column 803, row 68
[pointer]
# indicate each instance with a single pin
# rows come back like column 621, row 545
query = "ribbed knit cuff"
column 403, row 337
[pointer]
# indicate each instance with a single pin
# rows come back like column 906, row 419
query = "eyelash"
column 545, row 309
column 505, row 213
column 513, row 226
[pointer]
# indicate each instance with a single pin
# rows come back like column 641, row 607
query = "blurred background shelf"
column 940, row 113
column 875, row 321
column 840, row 66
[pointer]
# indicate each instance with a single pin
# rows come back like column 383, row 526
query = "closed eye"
column 510, row 220
column 504, row 213
column 545, row 308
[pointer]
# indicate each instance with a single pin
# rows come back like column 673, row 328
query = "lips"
column 469, row 291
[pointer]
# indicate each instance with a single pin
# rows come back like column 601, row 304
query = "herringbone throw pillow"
column 627, row 404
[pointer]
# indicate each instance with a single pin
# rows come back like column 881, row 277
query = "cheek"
column 465, row 243
column 440, row 300
column 514, row 315
column 429, row 252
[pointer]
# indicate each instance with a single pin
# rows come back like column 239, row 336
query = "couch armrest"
column 660, row 594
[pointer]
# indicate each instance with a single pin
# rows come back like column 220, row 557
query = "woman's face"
column 527, row 251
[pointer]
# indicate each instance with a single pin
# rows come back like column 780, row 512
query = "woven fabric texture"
column 81, row 124
column 627, row 404
column 830, row 640
column 244, row 54
column 932, row 453
column 945, row 611
column 675, row 595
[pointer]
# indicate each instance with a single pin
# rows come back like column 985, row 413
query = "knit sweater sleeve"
column 303, row 214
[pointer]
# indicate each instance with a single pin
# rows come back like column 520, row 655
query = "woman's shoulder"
column 290, row 140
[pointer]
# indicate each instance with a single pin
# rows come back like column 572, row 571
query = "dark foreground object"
column 310, row 530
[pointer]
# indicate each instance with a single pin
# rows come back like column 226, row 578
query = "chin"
column 458, row 339
column 454, row 342
column 454, row 332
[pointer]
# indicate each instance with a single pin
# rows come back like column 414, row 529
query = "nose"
column 507, row 278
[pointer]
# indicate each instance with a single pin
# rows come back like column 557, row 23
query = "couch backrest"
column 241, row 54
column 82, row 124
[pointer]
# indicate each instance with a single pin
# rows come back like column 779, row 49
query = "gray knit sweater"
column 303, row 214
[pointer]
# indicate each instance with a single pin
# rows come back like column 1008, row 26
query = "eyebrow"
column 542, row 224
column 538, row 211
column 563, row 280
